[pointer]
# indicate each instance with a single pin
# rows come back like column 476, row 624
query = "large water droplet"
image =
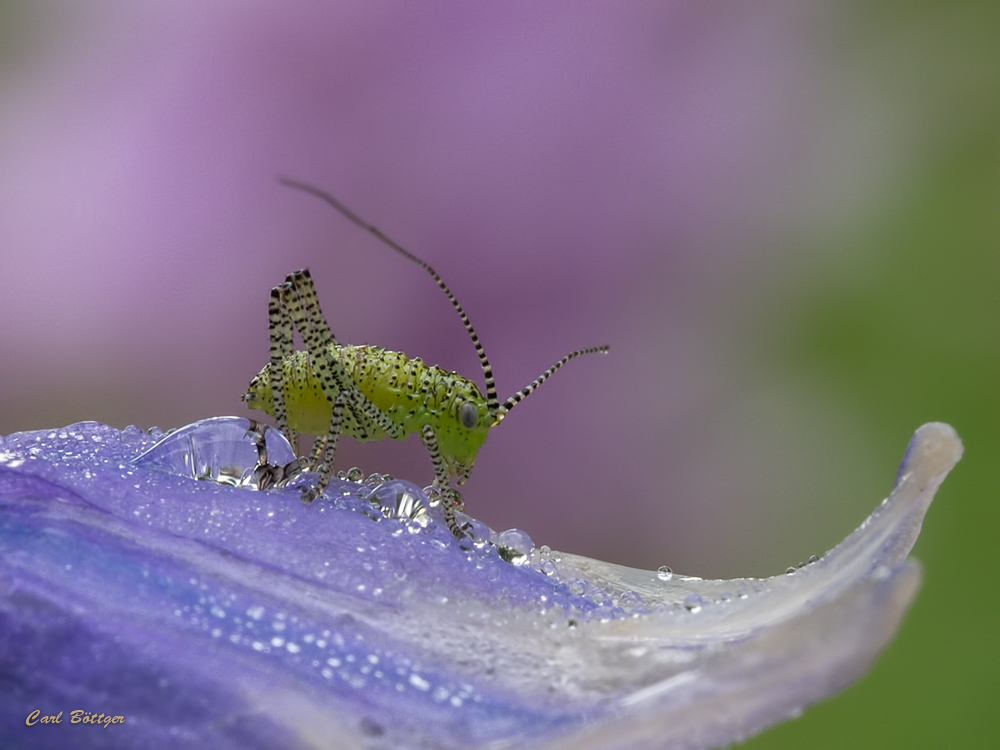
column 216, row 449
column 664, row 573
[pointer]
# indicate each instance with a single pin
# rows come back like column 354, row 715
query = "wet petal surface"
column 219, row 616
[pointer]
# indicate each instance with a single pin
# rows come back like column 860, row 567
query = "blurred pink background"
column 580, row 174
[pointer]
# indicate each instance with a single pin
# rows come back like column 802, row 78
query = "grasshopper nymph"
column 370, row 393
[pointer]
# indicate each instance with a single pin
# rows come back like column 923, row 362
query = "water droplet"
column 419, row 682
column 514, row 546
column 791, row 571
column 813, row 558
column 255, row 612
column 600, row 597
column 664, row 573
column 433, row 495
column 478, row 532
column 630, row 601
column 132, row 435
column 548, row 568
column 693, row 603
column 354, row 474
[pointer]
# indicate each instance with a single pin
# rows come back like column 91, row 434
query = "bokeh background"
column 784, row 217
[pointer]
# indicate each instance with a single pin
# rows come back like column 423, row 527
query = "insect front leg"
column 328, row 451
column 451, row 499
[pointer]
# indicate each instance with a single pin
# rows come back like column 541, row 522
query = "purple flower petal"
column 209, row 615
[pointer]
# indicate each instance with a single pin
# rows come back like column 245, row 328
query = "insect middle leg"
column 451, row 499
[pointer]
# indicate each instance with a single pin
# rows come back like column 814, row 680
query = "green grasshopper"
column 370, row 393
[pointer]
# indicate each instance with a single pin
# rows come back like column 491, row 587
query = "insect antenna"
column 528, row 389
column 492, row 401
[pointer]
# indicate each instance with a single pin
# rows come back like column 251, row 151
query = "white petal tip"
column 933, row 451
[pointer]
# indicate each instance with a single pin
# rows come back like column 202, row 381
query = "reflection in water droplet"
column 216, row 449
column 418, row 524
column 398, row 498
column 479, row 532
column 433, row 495
column 664, row 573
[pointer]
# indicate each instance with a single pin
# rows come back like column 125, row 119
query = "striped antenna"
column 527, row 390
column 491, row 389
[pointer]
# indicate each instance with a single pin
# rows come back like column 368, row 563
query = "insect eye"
column 468, row 415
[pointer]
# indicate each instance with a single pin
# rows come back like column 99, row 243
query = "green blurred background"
column 917, row 333
column 815, row 276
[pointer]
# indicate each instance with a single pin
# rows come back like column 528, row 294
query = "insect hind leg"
column 280, row 331
column 303, row 307
column 451, row 499
column 300, row 304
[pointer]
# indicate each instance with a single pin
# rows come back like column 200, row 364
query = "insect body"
column 409, row 393
column 370, row 393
